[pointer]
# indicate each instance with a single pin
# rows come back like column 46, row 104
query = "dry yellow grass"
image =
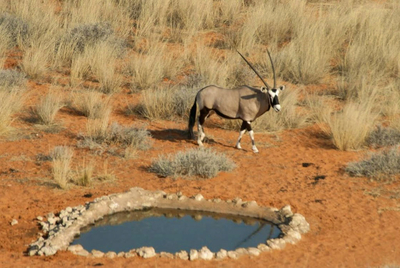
column 61, row 160
column 355, row 43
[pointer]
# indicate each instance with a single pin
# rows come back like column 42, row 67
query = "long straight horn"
column 273, row 68
column 265, row 83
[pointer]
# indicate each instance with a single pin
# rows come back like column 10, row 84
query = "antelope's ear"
column 264, row 89
column 282, row 87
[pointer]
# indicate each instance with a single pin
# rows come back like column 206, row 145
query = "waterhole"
column 175, row 230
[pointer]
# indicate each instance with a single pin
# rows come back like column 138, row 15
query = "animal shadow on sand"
column 179, row 135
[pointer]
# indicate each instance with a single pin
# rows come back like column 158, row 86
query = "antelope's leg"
column 251, row 133
column 202, row 118
column 242, row 131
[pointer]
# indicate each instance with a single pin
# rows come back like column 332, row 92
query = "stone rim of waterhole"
column 58, row 231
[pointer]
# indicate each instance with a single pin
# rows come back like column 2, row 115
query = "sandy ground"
column 350, row 227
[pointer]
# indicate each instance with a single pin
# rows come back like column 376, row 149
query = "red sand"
column 347, row 229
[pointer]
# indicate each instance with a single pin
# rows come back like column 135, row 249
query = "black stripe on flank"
column 224, row 116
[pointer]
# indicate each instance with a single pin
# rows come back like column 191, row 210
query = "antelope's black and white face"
column 274, row 93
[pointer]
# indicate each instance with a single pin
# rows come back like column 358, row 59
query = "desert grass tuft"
column 61, row 160
column 11, row 101
column 84, row 175
column 47, row 108
column 350, row 127
column 91, row 104
column 166, row 103
column 381, row 166
column 202, row 163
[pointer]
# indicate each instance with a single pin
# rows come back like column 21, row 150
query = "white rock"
column 83, row 253
column 146, row 252
column 254, row 251
column 205, row 254
column 299, row 223
column 232, row 254
column 183, row 255
column 166, row 255
column 198, row 197
column 97, row 253
column 110, row 255
column 14, row 222
column 222, row 254
column 286, row 211
column 75, row 248
column 277, row 243
column 193, row 255
column 263, row 247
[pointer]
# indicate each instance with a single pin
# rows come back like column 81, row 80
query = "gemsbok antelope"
column 244, row 102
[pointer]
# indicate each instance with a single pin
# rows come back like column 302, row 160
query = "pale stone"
column 205, row 254
column 146, row 252
column 263, row 247
column 241, row 251
column 299, row 223
column 254, row 251
column 251, row 204
column 83, row 253
column 110, row 255
column 97, row 253
column 166, row 255
column 39, row 218
column 292, row 236
column 222, row 254
column 193, row 254
column 232, row 254
column 183, row 255
column 14, row 222
column 75, row 248
column 198, row 197
column 130, row 254
column 121, row 254
column 286, row 211
column 48, row 250
column 277, row 243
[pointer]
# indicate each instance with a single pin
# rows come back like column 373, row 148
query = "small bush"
column 89, row 34
column 61, row 159
column 138, row 138
column 131, row 139
column 11, row 78
column 380, row 166
column 382, row 136
column 16, row 28
column 203, row 163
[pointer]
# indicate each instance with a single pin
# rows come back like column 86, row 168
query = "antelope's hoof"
column 255, row 150
column 238, row 147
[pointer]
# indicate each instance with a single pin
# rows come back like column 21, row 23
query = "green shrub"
column 203, row 163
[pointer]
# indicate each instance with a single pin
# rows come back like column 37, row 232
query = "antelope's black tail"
column 192, row 119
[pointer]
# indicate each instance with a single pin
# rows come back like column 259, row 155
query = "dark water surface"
column 175, row 230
